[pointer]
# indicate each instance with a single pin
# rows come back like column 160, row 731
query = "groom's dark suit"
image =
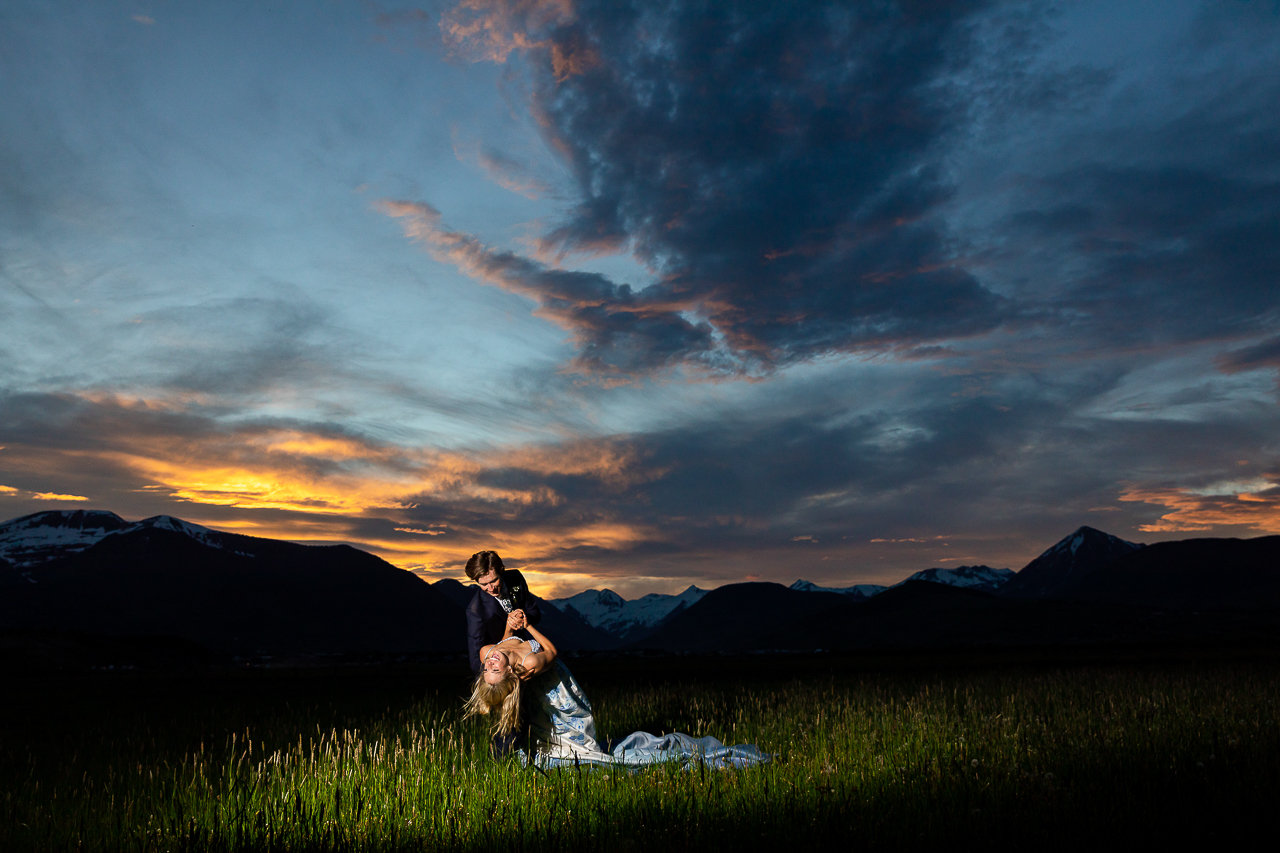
column 487, row 620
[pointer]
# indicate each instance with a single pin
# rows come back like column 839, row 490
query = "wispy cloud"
column 503, row 170
column 619, row 333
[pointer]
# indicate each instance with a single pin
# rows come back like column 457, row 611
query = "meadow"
column 868, row 754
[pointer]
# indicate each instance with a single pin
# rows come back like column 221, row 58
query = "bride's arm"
column 548, row 647
column 539, row 662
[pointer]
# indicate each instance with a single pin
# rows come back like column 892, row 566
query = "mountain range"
column 983, row 578
column 1088, row 588
column 91, row 573
column 95, row 574
column 628, row 621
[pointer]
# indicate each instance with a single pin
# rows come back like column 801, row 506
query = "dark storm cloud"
column 776, row 166
column 789, row 172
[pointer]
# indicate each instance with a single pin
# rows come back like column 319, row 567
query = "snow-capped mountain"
column 163, row 577
column 44, row 536
column 1075, row 556
column 212, row 538
column 858, row 591
column 983, row 578
column 33, row 540
column 605, row 609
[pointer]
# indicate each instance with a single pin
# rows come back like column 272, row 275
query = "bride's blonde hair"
column 502, row 698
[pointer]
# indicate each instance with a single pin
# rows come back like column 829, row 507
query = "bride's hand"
column 516, row 620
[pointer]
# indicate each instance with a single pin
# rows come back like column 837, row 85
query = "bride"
column 523, row 685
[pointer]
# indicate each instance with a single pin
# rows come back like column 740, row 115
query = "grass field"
column 875, row 755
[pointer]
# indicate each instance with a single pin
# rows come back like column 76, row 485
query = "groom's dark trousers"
column 487, row 622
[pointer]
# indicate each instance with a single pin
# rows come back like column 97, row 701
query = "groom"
column 503, row 597
column 502, row 592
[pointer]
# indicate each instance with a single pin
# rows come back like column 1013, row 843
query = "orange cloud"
column 1258, row 510
column 492, row 29
column 306, row 474
column 502, row 170
column 564, row 298
column 320, row 486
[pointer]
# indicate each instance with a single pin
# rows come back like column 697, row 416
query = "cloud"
column 493, row 29
column 1137, row 250
column 826, row 472
column 618, row 333
column 988, row 273
column 505, row 171
column 1141, row 217
column 1261, row 355
column 809, row 180
column 285, row 478
column 777, row 168
column 1192, row 512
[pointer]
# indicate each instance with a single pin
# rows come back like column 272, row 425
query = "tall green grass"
column 1048, row 757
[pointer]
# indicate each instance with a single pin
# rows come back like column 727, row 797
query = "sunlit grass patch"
column 883, row 761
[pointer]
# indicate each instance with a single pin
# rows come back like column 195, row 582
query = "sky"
column 645, row 294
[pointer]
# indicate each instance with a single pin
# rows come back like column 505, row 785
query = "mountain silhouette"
column 1094, row 588
column 1190, row 574
column 857, row 591
column 1082, row 553
column 71, row 582
column 53, row 534
column 249, row 595
column 737, row 615
column 456, row 591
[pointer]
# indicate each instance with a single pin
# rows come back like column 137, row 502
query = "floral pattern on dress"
column 563, row 733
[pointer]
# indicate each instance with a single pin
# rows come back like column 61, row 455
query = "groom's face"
column 490, row 582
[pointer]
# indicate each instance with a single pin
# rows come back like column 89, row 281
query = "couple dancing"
column 534, row 701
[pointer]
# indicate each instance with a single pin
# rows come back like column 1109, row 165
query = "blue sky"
column 645, row 294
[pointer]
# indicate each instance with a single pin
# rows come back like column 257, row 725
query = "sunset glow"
column 639, row 298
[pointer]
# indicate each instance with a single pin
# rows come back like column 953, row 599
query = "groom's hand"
column 516, row 620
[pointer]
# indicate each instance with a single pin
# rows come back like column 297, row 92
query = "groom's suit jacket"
column 487, row 621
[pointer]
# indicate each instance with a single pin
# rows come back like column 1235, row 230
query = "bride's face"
column 496, row 667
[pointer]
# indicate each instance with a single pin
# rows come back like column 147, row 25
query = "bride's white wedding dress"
column 562, row 732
